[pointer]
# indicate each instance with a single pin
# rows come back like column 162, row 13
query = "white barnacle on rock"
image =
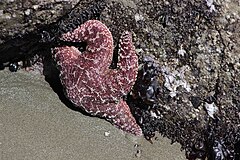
column 1, row 12
column 210, row 5
column 181, row 51
column 138, row 17
column 153, row 114
column 211, row 109
column 175, row 79
column 27, row 12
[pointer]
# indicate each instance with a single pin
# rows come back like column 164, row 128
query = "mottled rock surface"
column 18, row 17
column 190, row 53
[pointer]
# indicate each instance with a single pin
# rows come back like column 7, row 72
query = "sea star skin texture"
column 87, row 79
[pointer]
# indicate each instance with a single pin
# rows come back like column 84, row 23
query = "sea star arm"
column 67, row 65
column 82, row 71
column 118, row 114
column 119, row 81
column 99, row 48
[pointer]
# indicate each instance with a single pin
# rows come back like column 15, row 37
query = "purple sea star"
column 87, row 79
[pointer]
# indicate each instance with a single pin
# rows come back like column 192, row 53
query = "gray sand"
column 35, row 124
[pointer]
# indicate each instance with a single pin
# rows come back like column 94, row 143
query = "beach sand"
column 35, row 124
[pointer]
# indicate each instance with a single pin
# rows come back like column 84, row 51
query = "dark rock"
column 196, row 101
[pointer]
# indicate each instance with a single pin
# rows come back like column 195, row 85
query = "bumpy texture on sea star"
column 87, row 79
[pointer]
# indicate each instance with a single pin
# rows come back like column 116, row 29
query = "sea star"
column 89, row 82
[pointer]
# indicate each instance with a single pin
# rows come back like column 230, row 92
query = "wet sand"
column 35, row 124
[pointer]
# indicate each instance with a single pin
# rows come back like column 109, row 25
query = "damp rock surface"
column 19, row 17
column 188, row 86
